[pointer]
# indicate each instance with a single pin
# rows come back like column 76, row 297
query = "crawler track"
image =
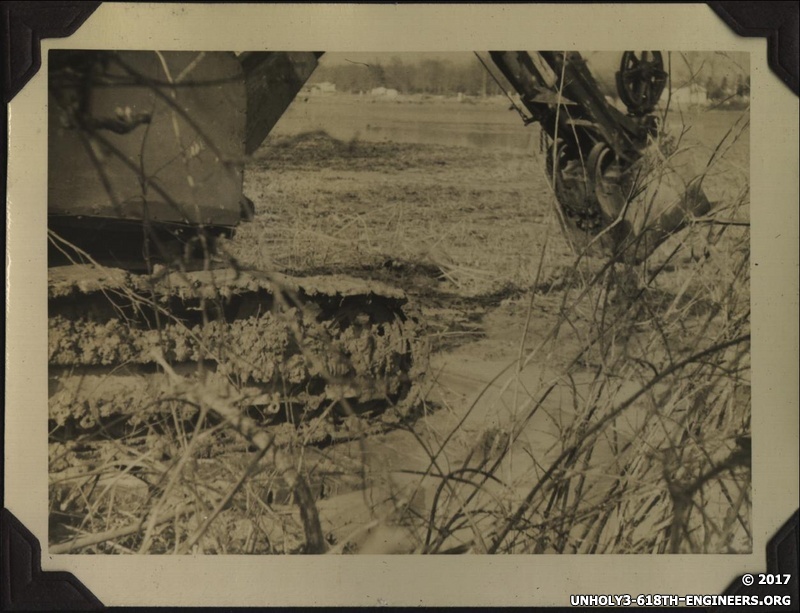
column 318, row 351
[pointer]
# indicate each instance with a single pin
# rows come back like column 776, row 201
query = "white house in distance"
column 690, row 95
column 322, row 88
column 383, row 92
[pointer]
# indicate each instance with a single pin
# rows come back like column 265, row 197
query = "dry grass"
column 615, row 419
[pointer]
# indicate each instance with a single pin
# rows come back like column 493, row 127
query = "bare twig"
column 265, row 442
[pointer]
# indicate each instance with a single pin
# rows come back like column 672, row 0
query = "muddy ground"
column 470, row 233
column 449, row 202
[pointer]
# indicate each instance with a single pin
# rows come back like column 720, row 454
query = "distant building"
column 322, row 88
column 383, row 92
column 688, row 96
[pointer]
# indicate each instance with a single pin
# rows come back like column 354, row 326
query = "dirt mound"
column 319, row 147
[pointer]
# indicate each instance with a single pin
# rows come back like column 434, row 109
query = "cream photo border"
column 412, row 580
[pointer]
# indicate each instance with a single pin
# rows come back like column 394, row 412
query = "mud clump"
column 283, row 348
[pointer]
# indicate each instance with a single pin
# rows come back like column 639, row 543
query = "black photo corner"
column 25, row 585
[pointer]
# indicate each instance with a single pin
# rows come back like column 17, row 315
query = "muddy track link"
column 309, row 351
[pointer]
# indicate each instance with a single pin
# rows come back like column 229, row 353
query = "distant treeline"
column 724, row 88
column 444, row 77
column 429, row 76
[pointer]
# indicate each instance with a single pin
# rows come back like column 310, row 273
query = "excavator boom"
column 618, row 192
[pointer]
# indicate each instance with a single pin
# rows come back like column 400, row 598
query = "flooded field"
column 471, row 121
column 423, row 120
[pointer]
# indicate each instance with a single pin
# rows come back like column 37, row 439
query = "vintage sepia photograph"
column 398, row 303
column 302, row 297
